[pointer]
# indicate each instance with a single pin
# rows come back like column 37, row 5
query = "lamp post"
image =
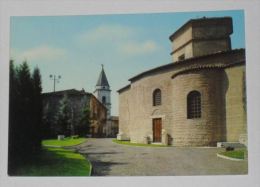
column 55, row 79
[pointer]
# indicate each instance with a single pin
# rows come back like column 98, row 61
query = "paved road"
column 111, row 159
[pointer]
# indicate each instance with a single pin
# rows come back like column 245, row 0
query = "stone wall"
column 124, row 114
column 180, row 41
column 98, row 115
column 216, row 85
column 187, row 51
column 201, row 37
column 210, row 46
column 235, row 104
column 208, row 129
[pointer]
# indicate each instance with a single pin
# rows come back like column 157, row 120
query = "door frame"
column 153, row 129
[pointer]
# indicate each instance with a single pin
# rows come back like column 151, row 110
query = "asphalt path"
column 112, row 159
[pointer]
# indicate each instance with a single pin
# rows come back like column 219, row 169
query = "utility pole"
column 56, row 79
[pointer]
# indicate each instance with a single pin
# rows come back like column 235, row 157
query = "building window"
column 193, row 105
column 182, row 57
column 104, row 100
column 157, row 97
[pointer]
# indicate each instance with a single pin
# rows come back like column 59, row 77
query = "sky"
column 126, row 44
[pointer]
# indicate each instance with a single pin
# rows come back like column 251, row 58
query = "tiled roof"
column 124, row 88
column 184, row 62
column 200, row 67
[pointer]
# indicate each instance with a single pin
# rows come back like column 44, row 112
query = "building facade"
column 77, row 101
column 198, row 100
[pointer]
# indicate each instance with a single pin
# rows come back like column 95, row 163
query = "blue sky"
column 127, row 44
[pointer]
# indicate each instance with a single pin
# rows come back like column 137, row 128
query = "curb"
column 229, row 158
column 141, row 145
column 53, row 146
column 90, row 168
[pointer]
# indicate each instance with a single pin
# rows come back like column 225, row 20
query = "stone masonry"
column 218, row 75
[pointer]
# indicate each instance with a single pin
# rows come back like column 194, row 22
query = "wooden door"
column 157, row 130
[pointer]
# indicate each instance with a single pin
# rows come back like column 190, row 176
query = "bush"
column 229, row 148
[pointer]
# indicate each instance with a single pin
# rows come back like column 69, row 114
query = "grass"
column 239, row 154
column 137, row 144
column 53, row 161
column 66, row 142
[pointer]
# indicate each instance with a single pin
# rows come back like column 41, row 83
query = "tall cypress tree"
column 37, row 90
column 13, row 120
column 26, row 110
column 25, row 114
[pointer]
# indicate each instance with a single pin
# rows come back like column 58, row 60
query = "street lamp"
column 56, row 79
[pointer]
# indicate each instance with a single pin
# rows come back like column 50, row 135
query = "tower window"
column 182, row 57
column 157, row 97
column 193, row 105
column 104, row 100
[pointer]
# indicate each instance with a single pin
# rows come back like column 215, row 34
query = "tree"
column 64, row 117
column 37, row 90
column 84, row 125
column 25, row 108
column 13, row 147
column 24, row 115
column 48, row 122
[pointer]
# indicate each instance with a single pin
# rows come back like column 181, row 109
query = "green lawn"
column 240, row 154
column 53, row 161
column 137, row 144
column 66, row 142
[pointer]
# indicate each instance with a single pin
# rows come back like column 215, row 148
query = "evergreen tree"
column 48, row 122
column 36, row 77
column 25, row 107
column 13, row 122
column 24, row 115
column 64, row 117
column 84, row 125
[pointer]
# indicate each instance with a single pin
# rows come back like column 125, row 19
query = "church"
column 103, row 94
column 197, row 100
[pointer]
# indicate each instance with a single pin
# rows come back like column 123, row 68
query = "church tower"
column 102, row 91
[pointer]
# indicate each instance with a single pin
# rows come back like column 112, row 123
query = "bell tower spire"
column 103, row 91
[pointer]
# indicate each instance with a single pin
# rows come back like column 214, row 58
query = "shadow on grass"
column 54, row 162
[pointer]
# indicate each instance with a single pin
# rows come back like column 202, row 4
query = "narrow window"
column 104, row 100
column 157, row 97
column 193, row 105
column 182, row 57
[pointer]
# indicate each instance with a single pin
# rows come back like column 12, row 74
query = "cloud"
column 41, row 53
column 136, row 48
column 104, row 33
column 117, row 39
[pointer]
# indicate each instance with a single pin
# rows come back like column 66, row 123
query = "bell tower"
column 200, row 37
column 103, row 91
